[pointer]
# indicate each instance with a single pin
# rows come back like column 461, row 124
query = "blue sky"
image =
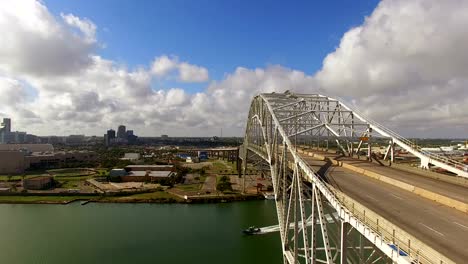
column 220, row 35
column 188, row 68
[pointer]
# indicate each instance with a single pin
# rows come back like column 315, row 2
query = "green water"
column 137, row 233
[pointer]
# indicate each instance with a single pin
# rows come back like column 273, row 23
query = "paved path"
column 443, row 228
column 209, row 184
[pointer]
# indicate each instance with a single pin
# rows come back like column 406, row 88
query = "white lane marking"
column 461, row 225
column 396, row 196
column 432, row 229
column 372, row 197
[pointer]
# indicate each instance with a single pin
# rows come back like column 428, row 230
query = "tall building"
column 6, row 125
column 132, row 139
column 109, row 137
column 111, row 134
column 5, row 130
column 121, row 132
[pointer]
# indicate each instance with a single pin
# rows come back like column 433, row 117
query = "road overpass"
column 381, row 214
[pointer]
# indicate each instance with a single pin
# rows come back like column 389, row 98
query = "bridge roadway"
column 447, row 189
column 441, row 227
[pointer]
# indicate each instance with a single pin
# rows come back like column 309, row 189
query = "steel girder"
column 322, row 116
column 315, row 225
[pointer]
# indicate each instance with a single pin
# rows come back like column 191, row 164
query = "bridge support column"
column 392, row 152
column 369, row 150
column 425, row 163
column 343, row 244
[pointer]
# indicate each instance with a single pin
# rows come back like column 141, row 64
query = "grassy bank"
column 43, row 199
column 152, row 197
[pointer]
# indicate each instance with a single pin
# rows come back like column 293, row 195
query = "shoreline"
column 129, row 199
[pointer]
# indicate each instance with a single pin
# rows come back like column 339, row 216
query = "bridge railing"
column 407, row 142
column 402, row 242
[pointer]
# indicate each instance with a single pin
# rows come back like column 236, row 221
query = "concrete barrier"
column 444, row 200
column 441, row 199
column 391, row 233
column 433, row 175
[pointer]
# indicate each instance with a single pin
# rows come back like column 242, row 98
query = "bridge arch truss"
column 318, row 224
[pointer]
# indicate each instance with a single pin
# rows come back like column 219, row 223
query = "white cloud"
column 405, row 66
column 87, row 27
column 14, row 100
column 192, row 73
column 33, row 42
column 162, row 67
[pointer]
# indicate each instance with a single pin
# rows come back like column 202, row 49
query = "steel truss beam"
column 315, row 226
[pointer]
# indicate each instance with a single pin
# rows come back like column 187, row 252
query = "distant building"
column 54, row 140
column 202, row 155
column 8, row 136
column 131, row 156
column 6, row 124
column 57, row 159
column 132, row 139
column 117, row 173
column 20, row 137
column 28, row 148
column 148, row 173
column 16, row 158
column 109, row 137
column 5, row 130
column 12, row 161
column 111, row 133
column 75, row 139
column 164, row 136
column 147, row 176
column 31, row 139
column 38, row 183
column 150, row 168
column 121, row 132
column 123, row 137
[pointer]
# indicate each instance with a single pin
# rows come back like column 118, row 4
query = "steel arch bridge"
column 319, row 224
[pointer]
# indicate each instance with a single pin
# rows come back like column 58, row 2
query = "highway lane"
column 440, row 227
column 447, row 189
column 451, row 190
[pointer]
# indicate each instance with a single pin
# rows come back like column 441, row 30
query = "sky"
column 190, row 68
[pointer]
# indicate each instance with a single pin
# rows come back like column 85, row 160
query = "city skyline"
column 91, row 75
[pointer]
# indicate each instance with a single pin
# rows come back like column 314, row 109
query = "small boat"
column 251, row 230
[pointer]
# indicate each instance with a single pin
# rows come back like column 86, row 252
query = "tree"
column 224, row 184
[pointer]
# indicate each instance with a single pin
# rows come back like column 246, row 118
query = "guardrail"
column 407, row 142
column 403, row 242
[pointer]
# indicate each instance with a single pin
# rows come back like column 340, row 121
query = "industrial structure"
column 334, row 204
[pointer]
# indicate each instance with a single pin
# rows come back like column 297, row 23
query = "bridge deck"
column 443, row 228
column 447, row 189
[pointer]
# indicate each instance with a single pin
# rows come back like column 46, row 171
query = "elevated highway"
column 380, row 215
column 439, row 226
